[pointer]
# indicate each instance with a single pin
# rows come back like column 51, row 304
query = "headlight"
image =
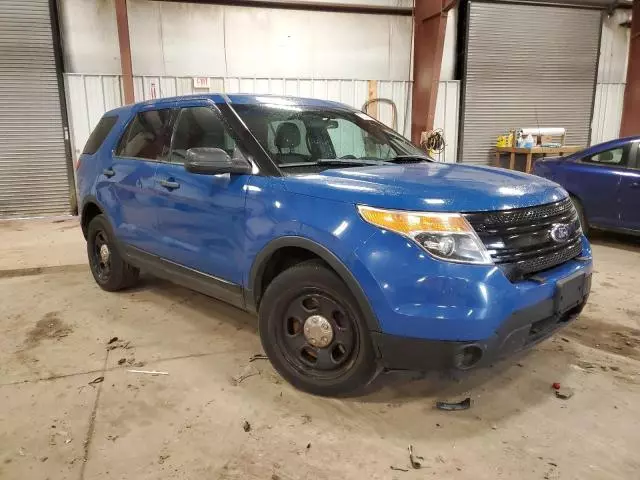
column 447, row 236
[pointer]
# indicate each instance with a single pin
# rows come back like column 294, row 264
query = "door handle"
column 108, row 172
column 169, row 184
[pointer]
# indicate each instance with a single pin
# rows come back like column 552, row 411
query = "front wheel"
column 313, row 332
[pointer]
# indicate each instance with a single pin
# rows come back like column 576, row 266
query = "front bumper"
column 523, row 329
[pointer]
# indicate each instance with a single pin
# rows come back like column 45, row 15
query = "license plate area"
column 571, row 291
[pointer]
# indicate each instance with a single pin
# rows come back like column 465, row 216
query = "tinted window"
column 148, row 136
column 615, row 156
column 200, row 127
column 99, row 134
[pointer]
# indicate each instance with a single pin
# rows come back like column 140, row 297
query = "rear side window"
column 99, row 134
column 615, row 156
column 148, row 135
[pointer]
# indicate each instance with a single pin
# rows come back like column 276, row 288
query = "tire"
column 347, row 363
column 111, row 272
column 583, row 220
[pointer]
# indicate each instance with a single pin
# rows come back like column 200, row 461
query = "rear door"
column 131, row 176
column 597, row 180
column 202, row 217
column 630, row 190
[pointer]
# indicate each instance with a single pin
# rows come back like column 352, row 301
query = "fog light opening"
column 468, row 357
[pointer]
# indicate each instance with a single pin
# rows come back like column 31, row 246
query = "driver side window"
column 200, row 127
column 615, row 156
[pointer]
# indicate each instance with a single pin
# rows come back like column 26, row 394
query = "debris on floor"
column 258, row 356
column 450, row 406
column 308, row 445
column 115, row 342
column 564, row 393
column 246, row 426
column 248, row 371
column 149, row 372
column 415, row 460
column 555, row 386
column 399, row 469
column 122, row 361
column 96, row 380
column 162, row 458
column 306, row 419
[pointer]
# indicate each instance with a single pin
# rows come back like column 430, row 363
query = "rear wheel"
column 313, row 332
column 109, row 269
column 583, row 220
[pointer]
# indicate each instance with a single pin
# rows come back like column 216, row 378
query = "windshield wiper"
column 350, row 161
column 410, row 159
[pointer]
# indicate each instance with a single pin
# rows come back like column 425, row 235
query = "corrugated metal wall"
column 89, row 96
column 33, row 164
column 612, row 74
column 527, row 65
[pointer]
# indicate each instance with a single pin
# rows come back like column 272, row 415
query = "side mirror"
column 213, row 161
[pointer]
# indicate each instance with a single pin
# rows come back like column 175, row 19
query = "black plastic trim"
column 252, row 294
column 201, row 282
column 523, row 329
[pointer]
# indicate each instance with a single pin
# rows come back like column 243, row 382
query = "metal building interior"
column 469, row 71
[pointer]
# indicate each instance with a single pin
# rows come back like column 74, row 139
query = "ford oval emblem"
column 560, row 232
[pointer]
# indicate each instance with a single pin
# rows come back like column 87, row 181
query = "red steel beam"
column 430, row 23
column 122, row 21
column 630, row 124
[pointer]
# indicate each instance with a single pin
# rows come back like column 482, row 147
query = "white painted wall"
column 612, row 75
column 448, row 66
column 177, row 39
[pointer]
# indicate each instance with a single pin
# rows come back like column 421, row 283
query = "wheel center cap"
column 318, row 331
column 104, row 253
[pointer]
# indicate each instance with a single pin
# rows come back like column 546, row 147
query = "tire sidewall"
column 285, row 288
column 113, row 282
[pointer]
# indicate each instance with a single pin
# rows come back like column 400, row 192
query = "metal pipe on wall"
column 630, row 124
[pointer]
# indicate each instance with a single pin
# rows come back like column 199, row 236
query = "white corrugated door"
column 33, row 169
column 527, row 65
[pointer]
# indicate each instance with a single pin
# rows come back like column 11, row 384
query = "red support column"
column 430, row 22
column 122, row 21
column 630, row 124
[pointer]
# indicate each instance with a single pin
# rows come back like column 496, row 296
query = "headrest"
column 287, row 135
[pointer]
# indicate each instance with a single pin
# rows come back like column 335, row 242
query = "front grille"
column 520, row 240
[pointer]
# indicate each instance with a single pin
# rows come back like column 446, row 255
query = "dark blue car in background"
column 603, row 181
column 358, row 252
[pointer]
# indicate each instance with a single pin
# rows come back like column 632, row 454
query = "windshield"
column 303, row 139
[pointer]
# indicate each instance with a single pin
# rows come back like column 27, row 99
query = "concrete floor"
column 55, row 324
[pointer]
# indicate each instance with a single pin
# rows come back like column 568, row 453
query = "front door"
column 130, row 177
column 202, row 217
column 630, row 191
column 600, row 178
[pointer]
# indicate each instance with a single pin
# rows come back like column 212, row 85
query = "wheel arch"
column 255, row 285
column 90, row 209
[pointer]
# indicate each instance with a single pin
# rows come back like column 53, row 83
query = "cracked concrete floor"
column 55, row 325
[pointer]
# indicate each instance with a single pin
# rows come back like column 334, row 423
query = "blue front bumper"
column 416, row 297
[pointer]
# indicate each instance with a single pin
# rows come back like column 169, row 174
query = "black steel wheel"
column 314, row 333
column 109, row 269
column 317, row 334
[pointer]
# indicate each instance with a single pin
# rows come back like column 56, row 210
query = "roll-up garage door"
column 527, row 66
column 33, row 168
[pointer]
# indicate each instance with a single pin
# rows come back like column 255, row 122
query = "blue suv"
column 358, row 252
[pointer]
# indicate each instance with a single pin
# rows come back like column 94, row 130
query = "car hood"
column 429, row 187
